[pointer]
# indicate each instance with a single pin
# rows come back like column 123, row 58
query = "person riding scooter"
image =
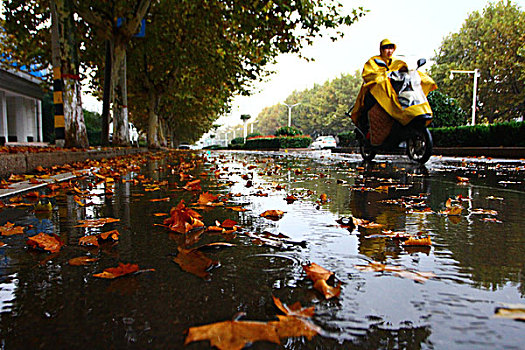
column 388, row 87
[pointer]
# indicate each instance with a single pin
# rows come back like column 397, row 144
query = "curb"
column 24, row 163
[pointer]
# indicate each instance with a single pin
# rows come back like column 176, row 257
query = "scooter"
column 414, row 138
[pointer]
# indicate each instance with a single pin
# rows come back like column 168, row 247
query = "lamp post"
column 474, row 89
column 244, row 118
column 290, row 112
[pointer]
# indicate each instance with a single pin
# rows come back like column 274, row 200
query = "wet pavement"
column 477, row 257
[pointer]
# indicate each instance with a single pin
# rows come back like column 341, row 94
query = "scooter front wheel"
column 419, row 146
column 366, row 152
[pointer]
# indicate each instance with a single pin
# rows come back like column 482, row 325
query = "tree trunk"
column 104, row 137
column 120, row 98
column 75, row 128
column 153, row 122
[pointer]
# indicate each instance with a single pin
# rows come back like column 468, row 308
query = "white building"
column 20, row 107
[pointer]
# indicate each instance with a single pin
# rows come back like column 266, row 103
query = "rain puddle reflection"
column 335, row 211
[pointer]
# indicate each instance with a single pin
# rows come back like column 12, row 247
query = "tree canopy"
column 196, row 54
column 322, row 109
column 493, row 42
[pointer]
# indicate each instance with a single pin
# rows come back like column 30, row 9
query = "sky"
column 416, row 26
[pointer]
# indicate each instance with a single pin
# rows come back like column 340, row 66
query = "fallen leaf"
column 328, row 291
column 89, row 240
column 194, row 262
column 290, row 326
column 295, row 309
column 418, row 241
column 119, row 271
column 167, row 199
column 194, row 185
column 113, row 234
column 462, row 179
column 397, row 270
column 272, row 214
column 233, row 335
column 316, row 272
column 10, row 229
column 183, row 219
column 207, row 198
column 82, row 261
column 92, row 223
column 512, row 311
column 46, row 242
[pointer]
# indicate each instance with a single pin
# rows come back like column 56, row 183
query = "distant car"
column 184, row 146
column 323, row 142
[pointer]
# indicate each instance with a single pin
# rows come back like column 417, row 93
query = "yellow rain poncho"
column 377, row 82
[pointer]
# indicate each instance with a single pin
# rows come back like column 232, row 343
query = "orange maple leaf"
column 233, row 335
column 316, row 272
column 81, row 261
column 206, row 198
column 119, row 271
column 10, row 229
column 46, row 242
column 418, row 241
column 295, row 309
column 194, row 185
column 272, row 214
column 89, row 240
column 183, row 219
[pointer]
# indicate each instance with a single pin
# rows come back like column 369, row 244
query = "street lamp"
column 290, row 112
column 244, row 118
column 474, row 90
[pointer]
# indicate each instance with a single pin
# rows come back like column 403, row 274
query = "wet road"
column 477, row 257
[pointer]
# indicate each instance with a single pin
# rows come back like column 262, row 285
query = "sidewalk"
column 24, row 163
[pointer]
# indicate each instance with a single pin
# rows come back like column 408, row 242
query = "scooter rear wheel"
column 419, row 146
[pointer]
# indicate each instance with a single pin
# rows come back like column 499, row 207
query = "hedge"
column 273, row 142
column 486, row 135
column 347, row 139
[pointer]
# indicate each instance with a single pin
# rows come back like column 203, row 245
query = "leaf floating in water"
column 82, row 261
column 195, row 262
column 397, row 270
column 273, row 214
column 413, row 241
column 295, row 309
column 233, row 335
column 10, row 229
column 512, row 311
column 119, row 271
column 46, row 242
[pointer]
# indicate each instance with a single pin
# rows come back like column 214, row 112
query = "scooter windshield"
column 407, row 86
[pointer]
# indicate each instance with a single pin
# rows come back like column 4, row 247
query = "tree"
column 28, row 42
column 490, row 41
column 66, row 76
column 322, row 109
column 446, row 110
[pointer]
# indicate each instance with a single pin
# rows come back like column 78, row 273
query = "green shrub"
column 446, row 110
column 236, row 143
column 491, row 135
column 288, row 131
column 294, row 141
column 347, row 139
column 273, row 142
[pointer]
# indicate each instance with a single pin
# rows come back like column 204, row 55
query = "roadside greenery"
column 276, row 142
column 506, row 134
column 493, row 42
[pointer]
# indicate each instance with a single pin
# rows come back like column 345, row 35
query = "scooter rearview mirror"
column 421, row 62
